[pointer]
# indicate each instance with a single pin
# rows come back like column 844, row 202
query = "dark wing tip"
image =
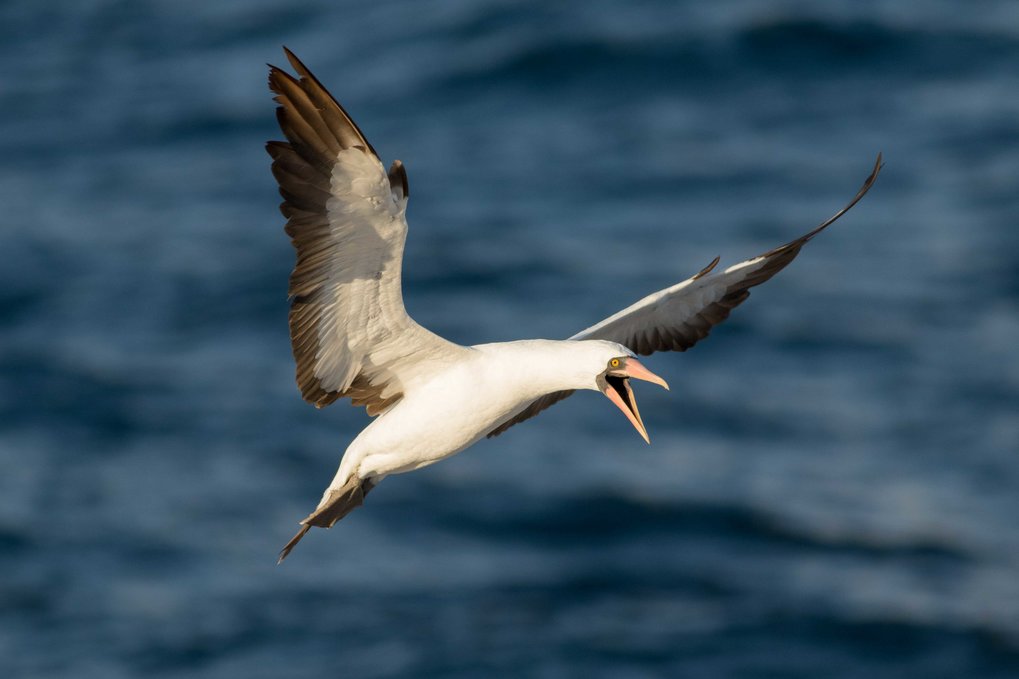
column 682, row 335
column 296, row 63
column 398, row 178
column 337, row 119
column 867, row 183
column 706, row 270
column 276, row 74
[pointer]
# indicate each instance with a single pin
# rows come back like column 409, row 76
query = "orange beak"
column 617, row 388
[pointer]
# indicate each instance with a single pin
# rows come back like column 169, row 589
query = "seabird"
column 352, row 337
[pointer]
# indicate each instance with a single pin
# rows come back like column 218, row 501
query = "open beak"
column 617, row 388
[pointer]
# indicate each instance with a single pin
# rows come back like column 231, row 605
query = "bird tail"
column 336, row 505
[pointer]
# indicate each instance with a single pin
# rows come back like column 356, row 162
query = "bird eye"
column 614, row 363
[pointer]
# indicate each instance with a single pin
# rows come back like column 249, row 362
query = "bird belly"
column 429, row 427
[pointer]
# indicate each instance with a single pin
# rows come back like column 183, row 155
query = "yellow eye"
column 614, row 363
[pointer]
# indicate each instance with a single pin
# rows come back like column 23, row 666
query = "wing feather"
column 530, row 411
column 350, row 333
column 676, row 318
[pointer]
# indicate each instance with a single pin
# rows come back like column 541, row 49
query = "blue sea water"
column 833, row 485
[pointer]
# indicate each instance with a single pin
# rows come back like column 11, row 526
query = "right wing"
column 349, row 331
column 676, row 318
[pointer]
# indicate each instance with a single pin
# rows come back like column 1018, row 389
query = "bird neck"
column 543, row 366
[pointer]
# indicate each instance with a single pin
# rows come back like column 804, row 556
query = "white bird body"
column 444, row 411
column 352, row 337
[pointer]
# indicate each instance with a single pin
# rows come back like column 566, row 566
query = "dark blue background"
column 833, row 485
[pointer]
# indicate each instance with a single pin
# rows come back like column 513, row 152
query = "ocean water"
column 833, row 485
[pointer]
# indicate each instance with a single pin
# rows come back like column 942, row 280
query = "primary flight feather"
column 352, row 337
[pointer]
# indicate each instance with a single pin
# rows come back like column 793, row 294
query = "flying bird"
column 432, row 398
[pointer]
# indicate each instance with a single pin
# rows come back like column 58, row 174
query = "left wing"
column 346, row 217
column 676, row 318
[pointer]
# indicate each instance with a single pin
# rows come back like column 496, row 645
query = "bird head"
column 617, row 366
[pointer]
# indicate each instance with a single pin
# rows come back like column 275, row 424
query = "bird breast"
column 444, row 413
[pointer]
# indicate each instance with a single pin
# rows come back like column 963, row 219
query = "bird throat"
column 622, row 387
